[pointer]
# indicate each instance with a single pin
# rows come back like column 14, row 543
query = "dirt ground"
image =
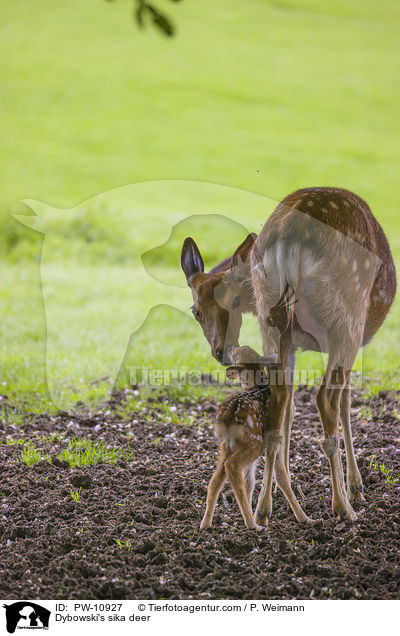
column 134, row 533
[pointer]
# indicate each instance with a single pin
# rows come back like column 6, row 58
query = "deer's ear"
column 191, row 260
column 240, row 263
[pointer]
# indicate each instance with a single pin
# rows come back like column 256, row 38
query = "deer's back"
column 321, row 221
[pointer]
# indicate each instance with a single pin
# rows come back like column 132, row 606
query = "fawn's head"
column 219, row 296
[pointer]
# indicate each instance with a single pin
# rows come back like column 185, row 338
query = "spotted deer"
column 244, row 431
column 322, row 264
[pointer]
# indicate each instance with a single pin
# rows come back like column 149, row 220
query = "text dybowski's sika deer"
column 320, row 276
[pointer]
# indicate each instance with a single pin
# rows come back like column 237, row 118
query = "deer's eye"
column 196, row 313
column 236, row 302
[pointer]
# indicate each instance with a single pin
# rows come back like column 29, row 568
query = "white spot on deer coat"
column 250, row 421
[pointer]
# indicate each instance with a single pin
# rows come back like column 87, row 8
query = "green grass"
column 82, row 452
column 75, row 494
column 31, row 455
column 391, row 477
column 124, row 544
column 260, row 97
column 79, row 452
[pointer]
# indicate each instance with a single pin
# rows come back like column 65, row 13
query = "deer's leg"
column 234, row 467
column 264, row 505
column 214, row 487
column 289, row 413
column 280, row 399
column 287, row 424
column 354, row 481
column 283, row 482
column 250, row 479
column 328, row 403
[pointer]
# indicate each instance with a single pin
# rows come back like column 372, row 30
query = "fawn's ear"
column 240, row 263
column 191, row 260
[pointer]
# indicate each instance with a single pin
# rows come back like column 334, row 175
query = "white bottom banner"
column 149, row 617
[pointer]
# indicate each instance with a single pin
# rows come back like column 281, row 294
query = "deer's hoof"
column 262, row 517
column 255, row 526
column 259, row 528
column 355, row 492
column 345, row 512
column 307, row 521
column 205, row 525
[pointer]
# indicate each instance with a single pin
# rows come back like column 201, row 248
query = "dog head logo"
column 109, row 262
column 26, row 615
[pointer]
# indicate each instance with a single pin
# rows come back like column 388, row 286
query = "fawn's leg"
column 328, row 403
column 354, row 481
column 215, row 486
column 234, row 467
column 283, row 481
column 264, row 504
column 250, row 479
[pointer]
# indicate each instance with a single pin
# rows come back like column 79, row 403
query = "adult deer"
column 320, row 276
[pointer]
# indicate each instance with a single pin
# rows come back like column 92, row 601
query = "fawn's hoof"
column 205, row 524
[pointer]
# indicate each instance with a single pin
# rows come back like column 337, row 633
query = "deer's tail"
column 276, row 277
column 287, row 273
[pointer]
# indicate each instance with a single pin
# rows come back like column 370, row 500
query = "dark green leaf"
column 138, row 13
column 160, row 20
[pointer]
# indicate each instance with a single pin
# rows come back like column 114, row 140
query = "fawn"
column 244, row 431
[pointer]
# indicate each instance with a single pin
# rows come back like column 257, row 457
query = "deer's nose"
column 219, row 352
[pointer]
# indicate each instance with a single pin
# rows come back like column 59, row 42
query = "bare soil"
column 134, row 533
